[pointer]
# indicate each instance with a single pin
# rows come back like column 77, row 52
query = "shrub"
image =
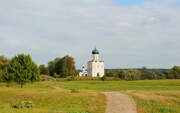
column 112, row 79
column 77, row 78
column 47, row 78
column 103, row 78
column 74, row 91
column 75, row 111
column 23, row 104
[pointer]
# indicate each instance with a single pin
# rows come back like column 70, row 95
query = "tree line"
column 144, row 73
column 22, row 69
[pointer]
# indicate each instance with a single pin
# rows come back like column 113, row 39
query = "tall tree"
column 52, row 66
column 43, row 70
column 23, row 69
column 66, row 67
column 4, row 62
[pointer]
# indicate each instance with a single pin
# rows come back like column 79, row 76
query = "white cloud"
column 131, row 36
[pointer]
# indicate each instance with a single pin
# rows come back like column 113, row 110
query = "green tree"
column 161, row 76
column 144, row 73
column 23, row 69
column 110, row 73
column 52, row 66
column 174, row 72
column 8, row 77
column 43, row 70
column 131, row 74
column 151, row 75
column 66, row 67
column 4, row 62
column 119, row 74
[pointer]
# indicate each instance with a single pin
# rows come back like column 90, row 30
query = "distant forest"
column 157, row 71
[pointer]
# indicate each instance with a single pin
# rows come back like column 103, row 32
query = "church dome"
column 95, row 51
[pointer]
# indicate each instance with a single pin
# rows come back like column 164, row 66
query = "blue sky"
column 128, row 34
column 130, row 2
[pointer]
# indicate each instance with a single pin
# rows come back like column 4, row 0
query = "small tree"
column 174, row 72
column 119, row 74
column 131, row 74
column 151, row 75
column 110, row 73
column 23, row 69
column 43, row 70
column 161, row 76
column 144, row 73
column 52, row 66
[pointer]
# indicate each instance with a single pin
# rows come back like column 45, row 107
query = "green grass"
column 120, row 85
column 48, row 100
column 151, row 96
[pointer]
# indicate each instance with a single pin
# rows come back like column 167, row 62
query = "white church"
column 95, row 66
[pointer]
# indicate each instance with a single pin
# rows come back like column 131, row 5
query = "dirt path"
column 56, row 87
column 119, row 103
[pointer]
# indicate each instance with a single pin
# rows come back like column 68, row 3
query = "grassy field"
column 49, row 100
column 151, row 96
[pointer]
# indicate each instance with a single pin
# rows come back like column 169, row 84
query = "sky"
column 128, row 33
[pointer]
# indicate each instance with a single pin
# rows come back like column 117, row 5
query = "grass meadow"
column 151, row 96
column 49, row 100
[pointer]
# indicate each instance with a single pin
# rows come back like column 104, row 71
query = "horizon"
column 127, row 33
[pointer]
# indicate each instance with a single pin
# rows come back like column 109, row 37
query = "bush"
column 23, row 104
column 103, row 78
column 86, row 78
column 47, row 78
column 74, row 91
column 111, row 79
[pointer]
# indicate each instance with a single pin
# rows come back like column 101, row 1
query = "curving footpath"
column 119, row 103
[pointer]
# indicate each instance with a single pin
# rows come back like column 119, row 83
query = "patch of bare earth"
column 119, row 103
column 57, row 87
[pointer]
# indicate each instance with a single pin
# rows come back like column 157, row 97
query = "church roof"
column 95, row 51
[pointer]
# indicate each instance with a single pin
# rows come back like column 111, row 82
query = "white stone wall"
column 96, row 68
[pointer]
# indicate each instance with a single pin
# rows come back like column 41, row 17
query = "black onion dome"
column 95, row 51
